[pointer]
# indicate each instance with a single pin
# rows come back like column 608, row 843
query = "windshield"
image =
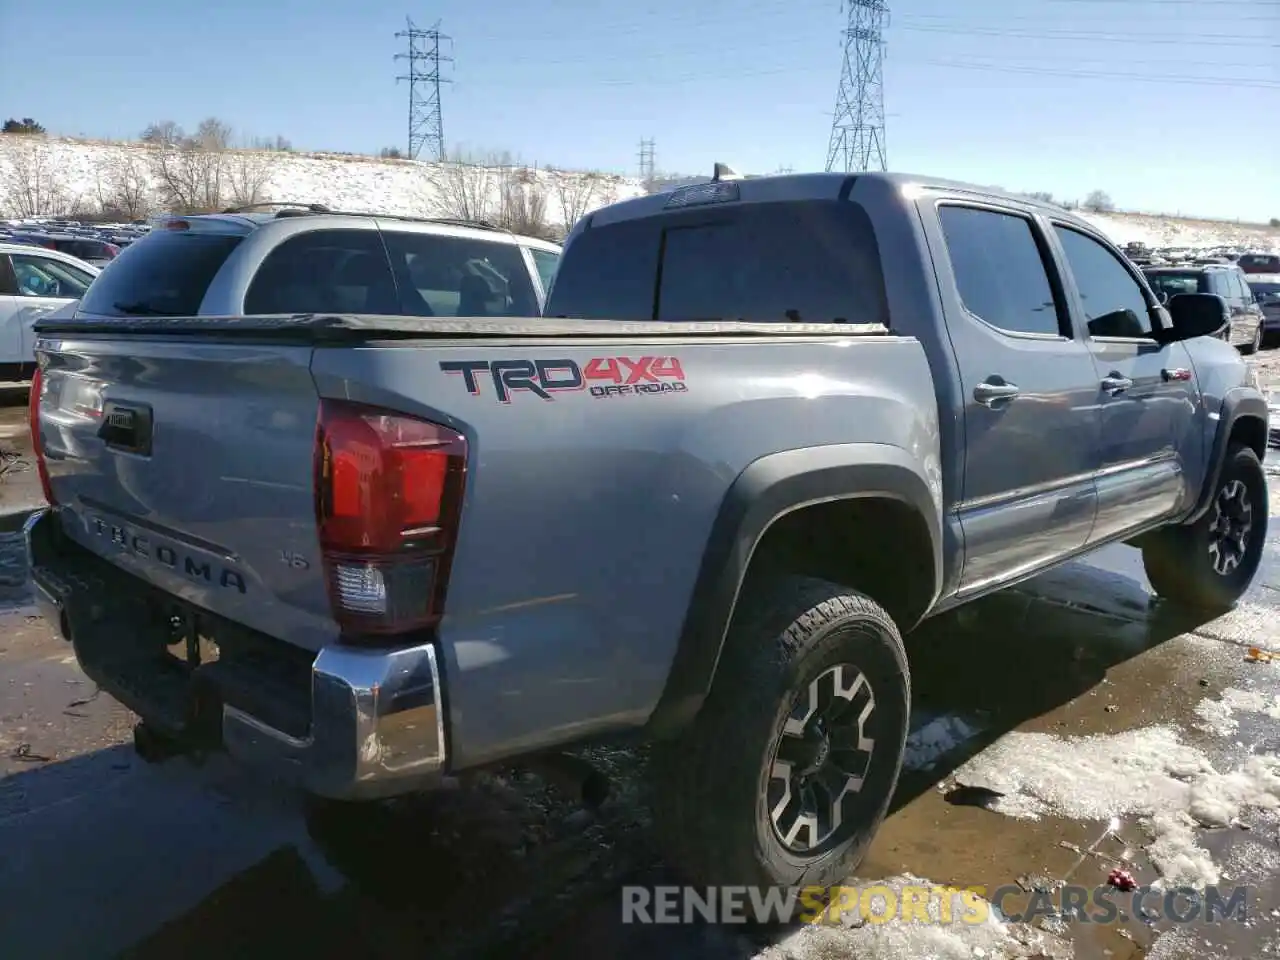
column 1171, row 283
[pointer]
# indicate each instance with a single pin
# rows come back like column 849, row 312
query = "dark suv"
column 1259, row 263
column 1241, row 317
column 1266, row 291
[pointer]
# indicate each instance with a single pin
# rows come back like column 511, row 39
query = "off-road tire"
column 1178, row 561
column 711, row 810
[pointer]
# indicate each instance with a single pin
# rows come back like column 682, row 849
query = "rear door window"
column 445, row 276
column 1000, row 270
column 324, row 271
column 165, row 275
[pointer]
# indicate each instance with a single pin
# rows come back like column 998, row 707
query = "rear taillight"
column 37, row 442
column 112, row 250
column 388, row 501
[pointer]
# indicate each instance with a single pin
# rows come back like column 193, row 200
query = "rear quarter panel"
column 586, row 517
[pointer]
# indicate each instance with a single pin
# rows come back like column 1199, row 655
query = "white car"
column 34, row 282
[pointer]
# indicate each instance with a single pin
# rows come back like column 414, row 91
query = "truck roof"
column 820, row 186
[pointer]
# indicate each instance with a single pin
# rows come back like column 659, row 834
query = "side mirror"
column 1196, row 315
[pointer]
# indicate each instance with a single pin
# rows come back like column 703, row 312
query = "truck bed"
column 598, row 454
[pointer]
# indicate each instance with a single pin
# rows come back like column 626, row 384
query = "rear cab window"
column 811, row 261
column 164, row 275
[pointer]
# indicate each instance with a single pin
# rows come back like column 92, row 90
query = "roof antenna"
column 724, row 172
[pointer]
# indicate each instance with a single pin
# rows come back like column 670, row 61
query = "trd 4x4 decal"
column 600, row 376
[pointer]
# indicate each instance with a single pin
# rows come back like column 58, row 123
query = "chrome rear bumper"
column 376, row 725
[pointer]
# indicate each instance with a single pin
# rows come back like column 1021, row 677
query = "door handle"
column 1116, row 384
column 989, row 394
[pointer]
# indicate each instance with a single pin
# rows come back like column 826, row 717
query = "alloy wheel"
column 820, row 762
column 1230, row 527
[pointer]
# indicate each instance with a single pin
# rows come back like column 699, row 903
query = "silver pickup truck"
column 762, row 428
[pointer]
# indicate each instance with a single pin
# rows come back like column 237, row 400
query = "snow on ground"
column 345, row 181
column 1147, row 773
column 935, row 738
column 982, row 934
column 82, row 171
column 1218, row 716
column 1180, row 232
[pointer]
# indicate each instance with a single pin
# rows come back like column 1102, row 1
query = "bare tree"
column 523, row 203
column 191, row 170
column 247, row 174
column 213, row 134
column 30, row 182
column 163, row 133
column 1099, row 201
column 465, row 189
column 577, row 194
column 123, row 185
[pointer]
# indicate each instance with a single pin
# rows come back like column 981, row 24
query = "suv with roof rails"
column 764, row 427
column 309, row 259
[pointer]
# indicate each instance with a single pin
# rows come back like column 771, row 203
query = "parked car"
column 1266, row 291
column 33, row 282
column 1241, row 315
column 1259, row 263
column 96, row 252
column 300, row 260
column 764, row 427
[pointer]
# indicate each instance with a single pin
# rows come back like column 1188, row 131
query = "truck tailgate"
column 189, row 464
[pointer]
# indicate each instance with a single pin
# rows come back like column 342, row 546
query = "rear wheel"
column 788, row 770
column 1212, row 562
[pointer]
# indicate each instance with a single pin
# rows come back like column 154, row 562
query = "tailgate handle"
column 126, row 427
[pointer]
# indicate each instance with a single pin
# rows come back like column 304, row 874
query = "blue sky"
column 1169, row 105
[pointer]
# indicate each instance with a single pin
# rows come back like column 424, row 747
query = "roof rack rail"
column 309, row 207
column 306, row 209
column 408, row 218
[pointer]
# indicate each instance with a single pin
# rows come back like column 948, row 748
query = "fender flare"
column 768, row 489
column 1240, row 403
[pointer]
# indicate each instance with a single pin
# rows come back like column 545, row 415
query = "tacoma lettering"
column 140, row 546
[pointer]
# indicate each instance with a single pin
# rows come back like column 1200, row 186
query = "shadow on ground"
column 507, row 867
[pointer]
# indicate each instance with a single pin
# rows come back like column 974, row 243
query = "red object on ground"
column 1122, row 879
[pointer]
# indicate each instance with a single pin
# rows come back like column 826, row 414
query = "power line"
column 1253, row 83
column 857, row 128
column 1199, row 40
column 668, row 78
column 1177, row 3
column 426, row 113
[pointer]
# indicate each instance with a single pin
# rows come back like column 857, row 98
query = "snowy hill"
column 53, row 176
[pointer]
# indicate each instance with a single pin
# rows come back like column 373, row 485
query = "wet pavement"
column 103, row 855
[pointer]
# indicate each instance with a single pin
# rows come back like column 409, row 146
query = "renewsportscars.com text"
column 923, row 903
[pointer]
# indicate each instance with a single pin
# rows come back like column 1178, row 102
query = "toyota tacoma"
column 761, row 429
